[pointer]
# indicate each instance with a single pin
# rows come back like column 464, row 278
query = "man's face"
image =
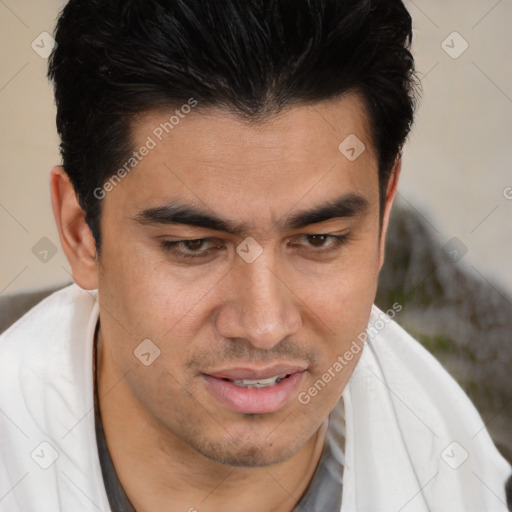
column 293, row 298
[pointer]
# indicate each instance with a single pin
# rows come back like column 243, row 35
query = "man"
column 228, row 174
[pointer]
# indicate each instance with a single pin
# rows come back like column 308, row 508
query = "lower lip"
column 254, row 400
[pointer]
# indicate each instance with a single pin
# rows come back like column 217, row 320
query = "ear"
column 75, row 236
column 390, row 197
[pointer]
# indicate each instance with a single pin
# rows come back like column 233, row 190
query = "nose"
column 259, row 305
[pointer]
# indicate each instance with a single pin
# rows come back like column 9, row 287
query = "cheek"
column 147, row 294
column 340, row 305
column 343, row 293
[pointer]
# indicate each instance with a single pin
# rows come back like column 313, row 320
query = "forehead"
column 219, row 133
column 229, row 165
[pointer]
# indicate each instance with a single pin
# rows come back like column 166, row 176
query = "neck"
column 160, row 472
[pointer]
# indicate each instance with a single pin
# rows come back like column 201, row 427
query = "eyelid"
column 178, row 240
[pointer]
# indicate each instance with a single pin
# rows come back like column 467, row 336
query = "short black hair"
column 117, row 59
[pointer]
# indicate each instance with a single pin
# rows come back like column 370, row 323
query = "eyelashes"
column 192, row 248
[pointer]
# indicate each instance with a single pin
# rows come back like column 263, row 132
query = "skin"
column 174, row 445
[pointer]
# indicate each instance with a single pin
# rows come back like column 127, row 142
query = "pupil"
column 317, row 240
column 194, row 245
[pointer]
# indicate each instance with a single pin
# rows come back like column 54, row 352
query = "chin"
column 248, row 454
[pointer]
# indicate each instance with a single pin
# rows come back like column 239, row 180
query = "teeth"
column 259, row 383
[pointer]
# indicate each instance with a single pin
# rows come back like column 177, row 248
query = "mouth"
column 249, row 391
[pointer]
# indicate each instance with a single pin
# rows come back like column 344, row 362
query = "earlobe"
column 75, row 236
column 391, row 191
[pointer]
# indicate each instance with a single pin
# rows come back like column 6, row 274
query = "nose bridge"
column 265, row 310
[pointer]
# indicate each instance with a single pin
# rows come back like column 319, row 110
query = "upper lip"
column 256, row 373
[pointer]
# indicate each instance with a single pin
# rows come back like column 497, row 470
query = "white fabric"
column 402, row 411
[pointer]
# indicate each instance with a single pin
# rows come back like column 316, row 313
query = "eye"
column 318, row 240
column 321, row 243
column 198, row 248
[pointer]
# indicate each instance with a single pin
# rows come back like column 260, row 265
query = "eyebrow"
column 346, row 206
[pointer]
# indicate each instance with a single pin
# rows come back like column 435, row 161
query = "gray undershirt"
column 322, row 495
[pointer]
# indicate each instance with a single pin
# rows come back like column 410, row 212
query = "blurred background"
column 450, row 246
